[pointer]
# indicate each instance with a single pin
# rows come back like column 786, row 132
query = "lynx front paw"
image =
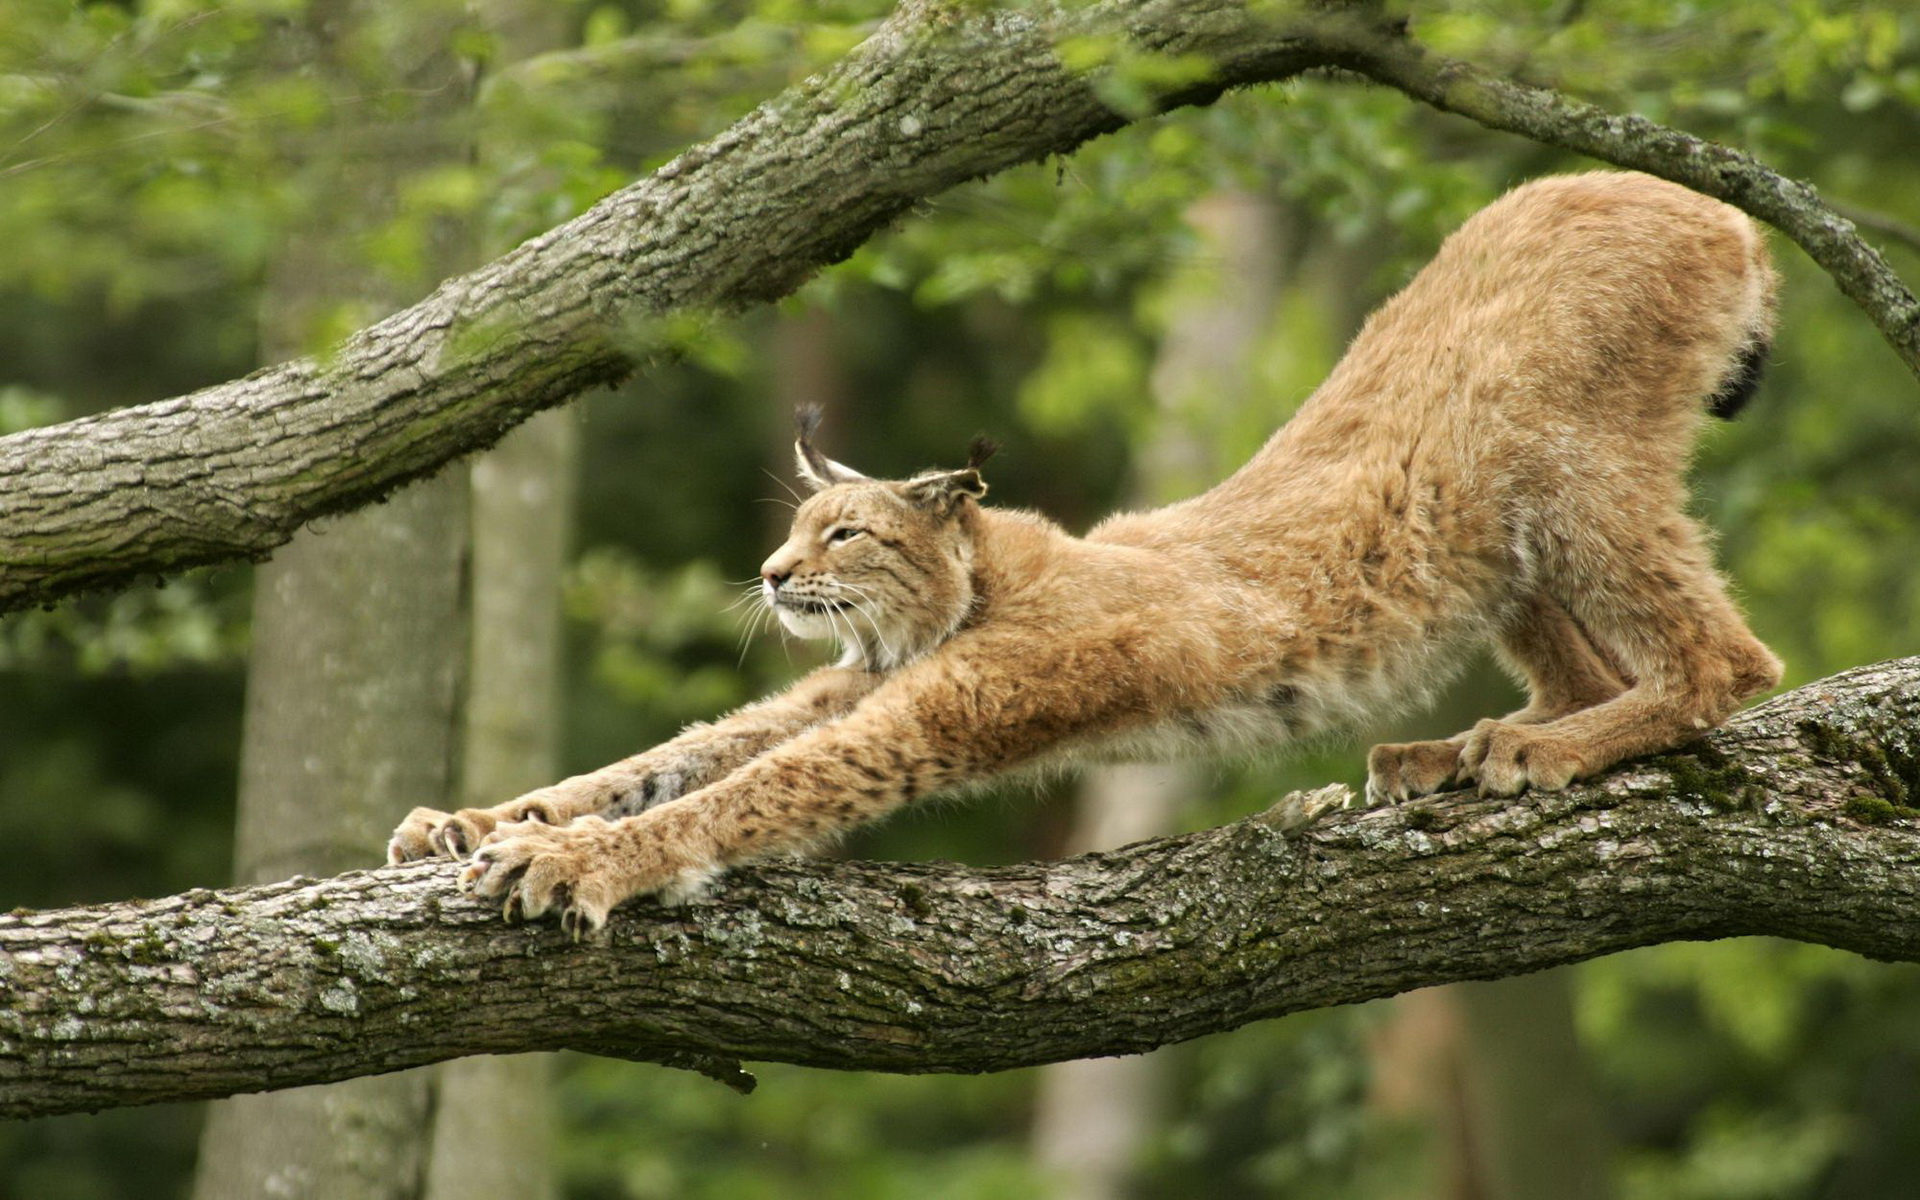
column 1508, row 759
column 582, row 869
column 430, row 833
column 1402, row 770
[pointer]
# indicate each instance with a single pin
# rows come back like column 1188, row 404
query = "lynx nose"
column 774, row 577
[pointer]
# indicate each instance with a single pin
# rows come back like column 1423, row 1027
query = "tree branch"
column 1794, row 820
column 945, row 91
column 942, row 93
column 1388, row 56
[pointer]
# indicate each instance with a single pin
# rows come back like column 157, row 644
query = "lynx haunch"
column 1497, row 459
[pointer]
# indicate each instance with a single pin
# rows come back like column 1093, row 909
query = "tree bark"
column 944, row 92
column 1794, row 820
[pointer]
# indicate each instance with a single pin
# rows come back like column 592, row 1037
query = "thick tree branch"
column 944, row 92
column 1794, row 820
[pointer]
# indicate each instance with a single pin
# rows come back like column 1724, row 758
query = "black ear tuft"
column 806, row 422
column 980, row 450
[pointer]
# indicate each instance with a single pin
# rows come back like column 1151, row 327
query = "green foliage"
column 801, row 1134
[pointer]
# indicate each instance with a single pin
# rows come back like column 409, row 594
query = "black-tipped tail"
column 1742, row 382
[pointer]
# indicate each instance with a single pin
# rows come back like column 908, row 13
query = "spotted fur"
column 1497, row 458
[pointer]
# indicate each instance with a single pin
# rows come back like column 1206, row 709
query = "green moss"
column 1706, row 775
column 1893, row 771
column 915, row 898
column 148, row 951
column 1872, row 810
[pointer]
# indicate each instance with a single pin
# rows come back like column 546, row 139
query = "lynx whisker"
column 798, row 499
column 865, row 603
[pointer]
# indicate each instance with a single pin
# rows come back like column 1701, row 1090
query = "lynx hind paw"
column 1400, row 771
column 1506, row 760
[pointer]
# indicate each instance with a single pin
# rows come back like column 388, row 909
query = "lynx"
column 1497, row 458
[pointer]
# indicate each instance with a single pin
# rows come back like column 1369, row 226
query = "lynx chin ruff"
column 1497, row 459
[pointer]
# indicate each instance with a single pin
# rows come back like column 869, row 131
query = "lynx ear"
column 816, row 469
column 942, row 490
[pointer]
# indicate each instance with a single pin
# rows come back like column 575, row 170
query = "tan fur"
column 1497, row 458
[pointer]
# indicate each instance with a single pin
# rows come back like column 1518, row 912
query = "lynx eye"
column 842, row 533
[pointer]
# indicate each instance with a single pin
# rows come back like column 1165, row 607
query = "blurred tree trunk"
column 1495, row 1072
column 492, row 1132
column 1090, row 1116
column 350, row 713
column 492, row 1123
column 1536, row 1125
column 358, row 642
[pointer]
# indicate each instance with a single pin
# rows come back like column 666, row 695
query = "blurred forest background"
column 189, row 190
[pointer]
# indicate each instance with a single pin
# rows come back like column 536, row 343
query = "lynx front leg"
column 938, row 725
column 588, row 867
column 1563, row 672
column 698, row 756
column 792, row 798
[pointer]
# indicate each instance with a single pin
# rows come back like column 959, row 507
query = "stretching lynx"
column 1497, row 458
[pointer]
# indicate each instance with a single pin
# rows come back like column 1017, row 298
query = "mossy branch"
column 1794, row 820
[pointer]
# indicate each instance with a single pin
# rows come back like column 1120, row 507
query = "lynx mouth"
column 811, row 604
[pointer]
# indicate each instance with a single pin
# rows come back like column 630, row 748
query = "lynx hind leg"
column 1563, row 671
column 1667, row 620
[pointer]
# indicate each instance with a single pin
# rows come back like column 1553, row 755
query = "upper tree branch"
column 1767, row 827
column 1792, row 207
column 944, row 92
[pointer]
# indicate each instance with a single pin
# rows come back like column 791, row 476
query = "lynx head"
column 885, row 567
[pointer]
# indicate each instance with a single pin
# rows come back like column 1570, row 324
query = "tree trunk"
column 492, row 1127
column 941, row 94
column 1792, row 820
column 1090, row 1116
column 351, row 709
column 1535, row 1124
column 350, row 712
